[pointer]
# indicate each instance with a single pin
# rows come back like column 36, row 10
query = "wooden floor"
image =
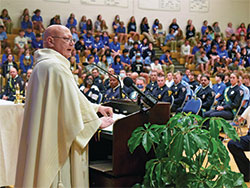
column 232, row 162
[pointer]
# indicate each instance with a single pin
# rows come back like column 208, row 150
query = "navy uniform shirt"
column 10, row 88
column 112, row 93
column 232, row 98
column 179, row 92
column 151, row 86
column 207, row 97
column 98, row 82
column 162, row 94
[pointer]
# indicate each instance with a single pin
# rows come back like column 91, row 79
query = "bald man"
column 58, row 120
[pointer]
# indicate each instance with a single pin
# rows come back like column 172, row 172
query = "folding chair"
column 193, row 105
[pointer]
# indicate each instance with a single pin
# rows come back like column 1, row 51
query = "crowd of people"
column 126, row 52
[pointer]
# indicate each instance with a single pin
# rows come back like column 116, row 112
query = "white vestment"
column 58, row 124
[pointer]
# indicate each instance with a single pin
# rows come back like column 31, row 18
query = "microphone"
column 120, row 91
column 148, row 99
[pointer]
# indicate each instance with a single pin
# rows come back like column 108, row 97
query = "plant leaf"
column 176, row 148
column 154, row 136
column 229, row 129
column 146, row 142
column 134, row 141
column 214, row 130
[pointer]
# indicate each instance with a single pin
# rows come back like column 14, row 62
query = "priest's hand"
column 106, row 111
column 106, row 121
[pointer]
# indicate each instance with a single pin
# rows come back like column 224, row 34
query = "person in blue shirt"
column 170, row 40
column 166, row 62
column 196, row 48
column 74, row 34
column 26, row 62
column 145, row 30
column 72, row 15
column 246, row 95
column 98, row 46
column 132, row 29
column 88, row 40
column 105, row 39
column 115, row 46
column 222, row 52
column 37, row 43
column 96, row 57
column 70, row 24
column 117, row 65
column 3, row 38
column 109, row 57
column 121, row 33
column 116, row 23
column 26, row 22
column 30, row 35
column 204, row 27
column 219, row 87
column 37, row 21
column 155, row 25
column 125, row 60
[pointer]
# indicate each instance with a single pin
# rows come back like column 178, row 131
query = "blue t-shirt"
column 125, row 59
column 117, row 67
column 219, row 88
column 116, row 47
column 88, row 40
column 99, row 45
column 24, row 67
column 164, row 58
column 37, row 18
column 203, row 29
column 121, row 29
column 74, row 23
column 154, row 27
column 25, row 25
column 195, row 49
column 3, row 36
column 169, row 37
column 105, row 40
column 37, row 44
column 30, row 36
column 222, row 53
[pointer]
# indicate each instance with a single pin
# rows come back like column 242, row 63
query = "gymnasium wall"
column 223, row 11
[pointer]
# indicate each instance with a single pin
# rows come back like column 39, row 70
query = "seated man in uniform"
column 206, row 94
column 179, row 92
column 97, row 80
column 114, row 92
column 11, row 86
column 153, row 81
column 162, row 92
column 231, row 102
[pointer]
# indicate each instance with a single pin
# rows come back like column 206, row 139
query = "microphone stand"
column 117, row 78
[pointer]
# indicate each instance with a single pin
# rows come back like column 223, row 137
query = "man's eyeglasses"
column 69, row 40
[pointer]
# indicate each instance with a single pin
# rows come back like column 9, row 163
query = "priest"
column 58, row 120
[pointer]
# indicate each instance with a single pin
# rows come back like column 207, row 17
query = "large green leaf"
column 176, row 148
column 214, row 129
column 154, row 136
column 228, row 129
column 146, row 142
column 135, row 141
column 199, row 140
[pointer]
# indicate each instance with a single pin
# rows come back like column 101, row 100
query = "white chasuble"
column 58, row 124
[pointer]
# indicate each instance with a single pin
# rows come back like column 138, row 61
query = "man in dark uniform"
column 97, row 80
column 13, row 82
column 206, row 94
column 179, row 93
column 114, row 91
column 162, row 92
column 232, row 100
column 153, row 81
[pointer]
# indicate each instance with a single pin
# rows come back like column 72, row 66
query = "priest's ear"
column 49, row 42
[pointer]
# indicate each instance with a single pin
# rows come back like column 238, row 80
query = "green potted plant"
column 185, row 154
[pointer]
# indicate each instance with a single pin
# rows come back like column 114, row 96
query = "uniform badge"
column 112, row 97
column 159, row 96
column 232, row 92
column 161, row 89
column 241, row 92
column 176, row 93
column 203, row 96
column 175, row 88
column 169, row 92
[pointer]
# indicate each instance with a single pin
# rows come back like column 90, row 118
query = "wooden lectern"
column 111, row 163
